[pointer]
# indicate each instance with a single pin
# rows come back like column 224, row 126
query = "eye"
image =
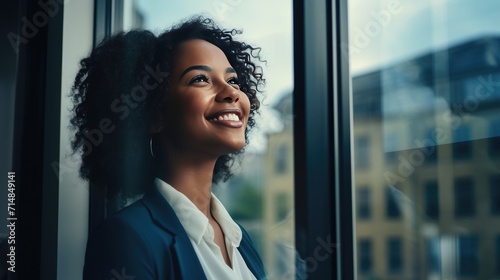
column 234, row 82
column 199, row 79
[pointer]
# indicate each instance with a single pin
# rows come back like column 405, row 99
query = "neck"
column 192, row 177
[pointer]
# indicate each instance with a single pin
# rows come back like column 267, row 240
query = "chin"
column 235, row 147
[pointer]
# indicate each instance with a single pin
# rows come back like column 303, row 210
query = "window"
column 362, row 152
column 432, row 200
column 392, row 208
column 497, row 253
column 282, row 207
column 364, row 203
column 495, row 194
column 391, row 157
column 391, row 141
column 394, row 255
column 365, row 255
column 462, row 146
column 433, row 256
column 468, row 262
column 423, row 76
column 494, row 139
column 429, row 147
column 464, row 198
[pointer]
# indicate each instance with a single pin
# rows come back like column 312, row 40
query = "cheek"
column 245, row 103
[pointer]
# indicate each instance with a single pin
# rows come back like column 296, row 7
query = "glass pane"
column 426, row 125
column 260, row 194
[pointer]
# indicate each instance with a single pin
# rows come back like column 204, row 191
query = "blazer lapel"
column 251, row 257
column 164, row 216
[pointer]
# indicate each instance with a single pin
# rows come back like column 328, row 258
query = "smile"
column 228, row 118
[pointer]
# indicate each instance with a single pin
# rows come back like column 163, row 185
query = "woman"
column 166, row 116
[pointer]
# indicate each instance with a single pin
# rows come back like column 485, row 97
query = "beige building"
column 427, row 174
column 278, row 195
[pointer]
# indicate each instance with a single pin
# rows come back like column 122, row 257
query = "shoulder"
column 127, row 242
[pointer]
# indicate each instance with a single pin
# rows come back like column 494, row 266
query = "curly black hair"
column 118, row 93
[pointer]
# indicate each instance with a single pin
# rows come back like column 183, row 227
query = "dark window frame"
column 36, row 137
column 322, row 137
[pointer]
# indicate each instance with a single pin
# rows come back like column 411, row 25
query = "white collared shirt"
column 201, row 235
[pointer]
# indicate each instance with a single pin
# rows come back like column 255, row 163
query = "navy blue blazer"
column 147, row 241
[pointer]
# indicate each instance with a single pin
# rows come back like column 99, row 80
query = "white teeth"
column 227, row 117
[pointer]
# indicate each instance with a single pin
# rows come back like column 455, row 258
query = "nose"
column 228, row 94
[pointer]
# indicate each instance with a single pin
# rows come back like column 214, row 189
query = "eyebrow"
column 204, row 68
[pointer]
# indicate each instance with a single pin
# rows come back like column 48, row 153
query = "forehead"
column 199, row 52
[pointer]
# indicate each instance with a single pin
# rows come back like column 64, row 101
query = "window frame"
column 323, row 138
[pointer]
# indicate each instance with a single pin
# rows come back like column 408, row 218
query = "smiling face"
column 206, row 112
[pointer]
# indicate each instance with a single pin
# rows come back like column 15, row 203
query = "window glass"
column 425, row 91
column 497, row 254
column 495, row 195
column 464, row 197
column 467, row 256
column 394, row 255
column 364, row 202
column 365, row 255
column 431, row 200
column 260, row 194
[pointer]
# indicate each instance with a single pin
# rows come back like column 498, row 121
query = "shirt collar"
column 193, row 220
column 231, row 230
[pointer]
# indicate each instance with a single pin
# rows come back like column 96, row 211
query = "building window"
column 394, row 255
column 495, row 195
column 364, row 203
column 494, row 138
column 432, row 200
column 462, row 146
column 468, row 262
column 429, row 148
column 362, row 152
column 391, row 146
column 391, row 158
column 281, row 164
column 433, row 255
column 497, row 253
column 392, row 208
column 365, row 255
column 281, row 206
column 464, row 197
